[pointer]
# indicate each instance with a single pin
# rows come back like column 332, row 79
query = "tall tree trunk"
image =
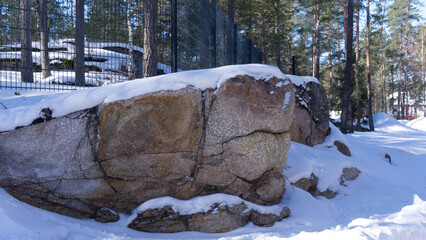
column 345, row 16
column 316, row 42
column 392, row 91
column 263, row 32
column 44, row 40
column 79, row 44
column 358, row 110
column 423, row 73
column 330, row 69
column 369, row 90
column 339, row 63
column 130, row 65
column 400, row 105
column 26, row 48
column 290, row 53
column 277, row 41
column 382, row 62
column 406, row 59
column 150, row 38
column 346, row 117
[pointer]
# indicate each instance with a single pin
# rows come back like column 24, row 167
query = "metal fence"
column 192, row 34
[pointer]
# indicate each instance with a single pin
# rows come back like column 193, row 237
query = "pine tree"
column 150, row 38
column 369, row 89
column 346, row 117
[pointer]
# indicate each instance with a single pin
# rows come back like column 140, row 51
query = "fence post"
column 235, row 44
column 213, row 36
column 250, row 51
column 293, row 65
column 174, row 36
column 79, row 43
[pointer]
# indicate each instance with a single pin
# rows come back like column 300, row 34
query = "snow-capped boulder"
column 310, row 119
column 181, row 143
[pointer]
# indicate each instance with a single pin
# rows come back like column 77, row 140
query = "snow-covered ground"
column 385, row 202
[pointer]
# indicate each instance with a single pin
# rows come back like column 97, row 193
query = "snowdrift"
column 419, row 123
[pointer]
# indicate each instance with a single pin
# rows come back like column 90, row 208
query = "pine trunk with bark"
column 44, row 40
column 150, row 38
column 263, row 32
column 346, row 117
column 130, row 67
column 26, row 48
column 382, row 62
column 358, row 109
column 406, row 60
column 368, row 66
column 330, row 70
column 316, row 41
column 277, row 44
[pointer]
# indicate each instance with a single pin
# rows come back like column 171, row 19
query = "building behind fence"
column 42, row 45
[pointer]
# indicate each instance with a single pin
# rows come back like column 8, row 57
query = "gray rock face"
column 180, row 143
column 220, row 218
column 349, row 174
column 310, row 119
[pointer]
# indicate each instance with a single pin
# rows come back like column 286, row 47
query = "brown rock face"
column 310, row 120
column 180, row 143
column 341, row 147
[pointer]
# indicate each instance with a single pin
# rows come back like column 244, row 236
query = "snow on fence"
column 192, row 34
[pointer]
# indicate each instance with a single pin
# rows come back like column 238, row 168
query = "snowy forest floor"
column 384, row 202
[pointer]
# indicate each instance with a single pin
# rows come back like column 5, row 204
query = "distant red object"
column 411, row 117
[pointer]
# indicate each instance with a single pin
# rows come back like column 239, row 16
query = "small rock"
column 222, row 220
column 307, row 184
column 267, row 220
column 310, row 185
column 349, row 174
column 106, row 215
column 341, row 147
column 388, row 157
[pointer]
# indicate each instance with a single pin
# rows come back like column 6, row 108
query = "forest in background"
column 315, row 31
column 375, row 49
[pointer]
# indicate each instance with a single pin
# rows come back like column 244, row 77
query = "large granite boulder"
column 311, row 118
column 183, row 143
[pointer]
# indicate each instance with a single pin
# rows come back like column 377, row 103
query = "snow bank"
column 385, row 122
column 419, row 123
column 409, row 223
column 65, row 103
column 304, row 160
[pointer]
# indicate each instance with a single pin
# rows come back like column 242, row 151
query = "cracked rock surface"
column 181, row 143
column 310, row 119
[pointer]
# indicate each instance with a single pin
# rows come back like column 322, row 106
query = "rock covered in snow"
column 203, row 214
column 180, row 142
column 311, row 118
column 310, row 184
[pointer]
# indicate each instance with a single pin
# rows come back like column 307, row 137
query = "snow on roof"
column 23, row 112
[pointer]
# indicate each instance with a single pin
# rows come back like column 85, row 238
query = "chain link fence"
column 50, row 45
